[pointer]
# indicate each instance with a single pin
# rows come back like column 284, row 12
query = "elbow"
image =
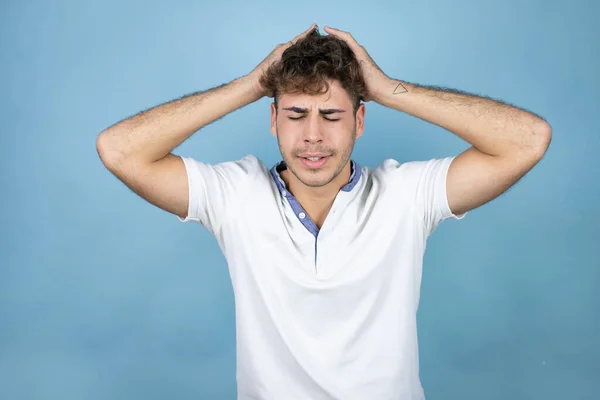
column 542, row 134
column 102, row 147
column 107, row 151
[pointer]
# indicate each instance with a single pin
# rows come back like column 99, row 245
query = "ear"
column 273, row 120
column 360, row 120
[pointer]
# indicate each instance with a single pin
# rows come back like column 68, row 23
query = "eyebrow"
column 326, row 111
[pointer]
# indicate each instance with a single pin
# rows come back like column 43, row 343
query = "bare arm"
column 138, row 149
column 506, row 141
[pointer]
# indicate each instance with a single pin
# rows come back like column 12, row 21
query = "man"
column 325, row 256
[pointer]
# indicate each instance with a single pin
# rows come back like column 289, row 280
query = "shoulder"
column 247, row 163
column 234, row 171
column 392, row 168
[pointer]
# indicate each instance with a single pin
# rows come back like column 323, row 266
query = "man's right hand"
column 271, row 59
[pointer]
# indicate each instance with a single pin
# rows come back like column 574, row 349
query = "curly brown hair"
column 306, row 66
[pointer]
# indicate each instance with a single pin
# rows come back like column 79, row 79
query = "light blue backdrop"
column 103, row 296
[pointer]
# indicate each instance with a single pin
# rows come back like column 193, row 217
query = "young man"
column 325, row 256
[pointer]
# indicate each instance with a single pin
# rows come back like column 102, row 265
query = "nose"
column 313, row 132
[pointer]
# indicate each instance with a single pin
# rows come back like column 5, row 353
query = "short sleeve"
column 432, row 194
column 215, row 189
column 423, row 184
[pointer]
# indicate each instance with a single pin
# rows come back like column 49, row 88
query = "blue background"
column 104, row 296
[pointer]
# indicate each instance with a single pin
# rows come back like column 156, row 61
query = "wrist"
column 252, row 81
column 390, row 91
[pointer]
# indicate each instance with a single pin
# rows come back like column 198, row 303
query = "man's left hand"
column 375, row 80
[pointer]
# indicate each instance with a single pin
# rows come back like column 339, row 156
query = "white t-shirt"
column 331, row 313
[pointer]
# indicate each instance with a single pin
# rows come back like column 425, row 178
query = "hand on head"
column 272, row 58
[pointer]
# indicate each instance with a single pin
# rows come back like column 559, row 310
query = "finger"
column 336, row 31
column 346, row 36
column 303, row 34
column 340, row 33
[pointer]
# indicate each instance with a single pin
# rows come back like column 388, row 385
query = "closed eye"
column 323, row 118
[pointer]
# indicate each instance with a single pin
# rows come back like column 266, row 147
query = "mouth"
column 314, row 162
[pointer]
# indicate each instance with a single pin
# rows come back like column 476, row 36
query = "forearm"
column 492, row 127
column 152, row 134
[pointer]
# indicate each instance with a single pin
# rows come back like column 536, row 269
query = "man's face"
column 301, row 130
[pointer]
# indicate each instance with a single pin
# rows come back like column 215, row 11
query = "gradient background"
column 103, row 296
